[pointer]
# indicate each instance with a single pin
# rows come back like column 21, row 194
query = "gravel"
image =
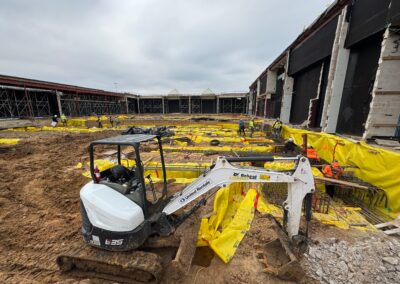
column 369, row 260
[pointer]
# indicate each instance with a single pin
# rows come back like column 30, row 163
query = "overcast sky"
column 149, row 46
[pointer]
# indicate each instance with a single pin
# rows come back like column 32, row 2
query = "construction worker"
column 251, row 127
column 99, row 123
column 111, row 121
column 276, row 129
column 54, row 121
column 63, row 119
column 241, row 128
column 312, row 154
column 289, row 146
column 116, row 120
column 334, row 170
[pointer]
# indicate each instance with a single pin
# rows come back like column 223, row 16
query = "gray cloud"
column 149, row 45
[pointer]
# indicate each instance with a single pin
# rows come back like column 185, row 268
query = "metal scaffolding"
column 232, row 105
column 20, row 102
column 22, row 97
column 81, row 105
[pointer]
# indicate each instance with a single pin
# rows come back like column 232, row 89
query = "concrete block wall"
column 384, row 110
column 271, row 82
column 287, row 99
column 385, row 105
column 336, row 77
column 287, row 93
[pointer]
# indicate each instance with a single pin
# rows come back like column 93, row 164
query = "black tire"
column 215, row 142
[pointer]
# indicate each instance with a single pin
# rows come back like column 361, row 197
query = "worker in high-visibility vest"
column 334, row 170
column 312, row 154
column 63, row 119
column 251, row 127
column 276, row 129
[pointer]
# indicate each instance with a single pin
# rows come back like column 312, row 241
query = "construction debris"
column 390, row 228
column 369, row 260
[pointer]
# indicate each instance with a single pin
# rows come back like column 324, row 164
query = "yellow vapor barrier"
column 76, row 122
column 220, row 148
column 9, row 141
column 376, row 166
column 103, row 117
column 104, row 165
column 63, row 129
column 344, row 218
column 285, row 166
column 25, row 129
column 216, row 133
column 232, row 218
column 181, row 172
column 234, row 212
column 201, row 138
column 279, row 166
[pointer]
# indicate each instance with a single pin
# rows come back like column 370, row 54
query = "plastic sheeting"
column 183, row 173
column 63, row 129
column 376, row 166
column 9, row 141
column 233, row 214
column 220, row 148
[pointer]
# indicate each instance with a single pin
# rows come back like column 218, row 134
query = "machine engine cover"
column 110, row 210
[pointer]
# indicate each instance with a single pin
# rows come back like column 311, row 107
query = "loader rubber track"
column 125, row 267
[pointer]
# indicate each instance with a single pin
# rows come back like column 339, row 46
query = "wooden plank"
column 393, row 231
column 391, row 58
column 390, row 143
column 384, row 125
column 339, row 182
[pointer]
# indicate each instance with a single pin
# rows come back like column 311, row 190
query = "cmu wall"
column 341, row 75
column 385, row 105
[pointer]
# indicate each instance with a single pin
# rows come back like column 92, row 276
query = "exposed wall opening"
column 208, row 106
column 305, row 88
column 173, row 106
column 358, row 86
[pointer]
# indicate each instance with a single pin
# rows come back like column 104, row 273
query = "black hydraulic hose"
column 250, row 159
column 308, row 209
column 260, row 159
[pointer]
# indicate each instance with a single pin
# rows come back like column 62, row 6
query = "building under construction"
column 20, row 97
column 339, row 75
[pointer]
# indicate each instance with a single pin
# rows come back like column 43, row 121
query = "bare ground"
column 39, row 216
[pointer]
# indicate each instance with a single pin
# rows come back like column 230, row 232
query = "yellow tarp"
column 221, row 148
column 202, row 138
column 234, row 213
column 232, row 218
column 376, row 166
column 58, row 128
column 193, row 170
column 77, row 122
column 9, row 141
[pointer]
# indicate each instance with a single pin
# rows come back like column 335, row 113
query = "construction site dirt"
column 40, row 217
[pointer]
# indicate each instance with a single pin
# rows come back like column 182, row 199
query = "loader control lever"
column 152, row 187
